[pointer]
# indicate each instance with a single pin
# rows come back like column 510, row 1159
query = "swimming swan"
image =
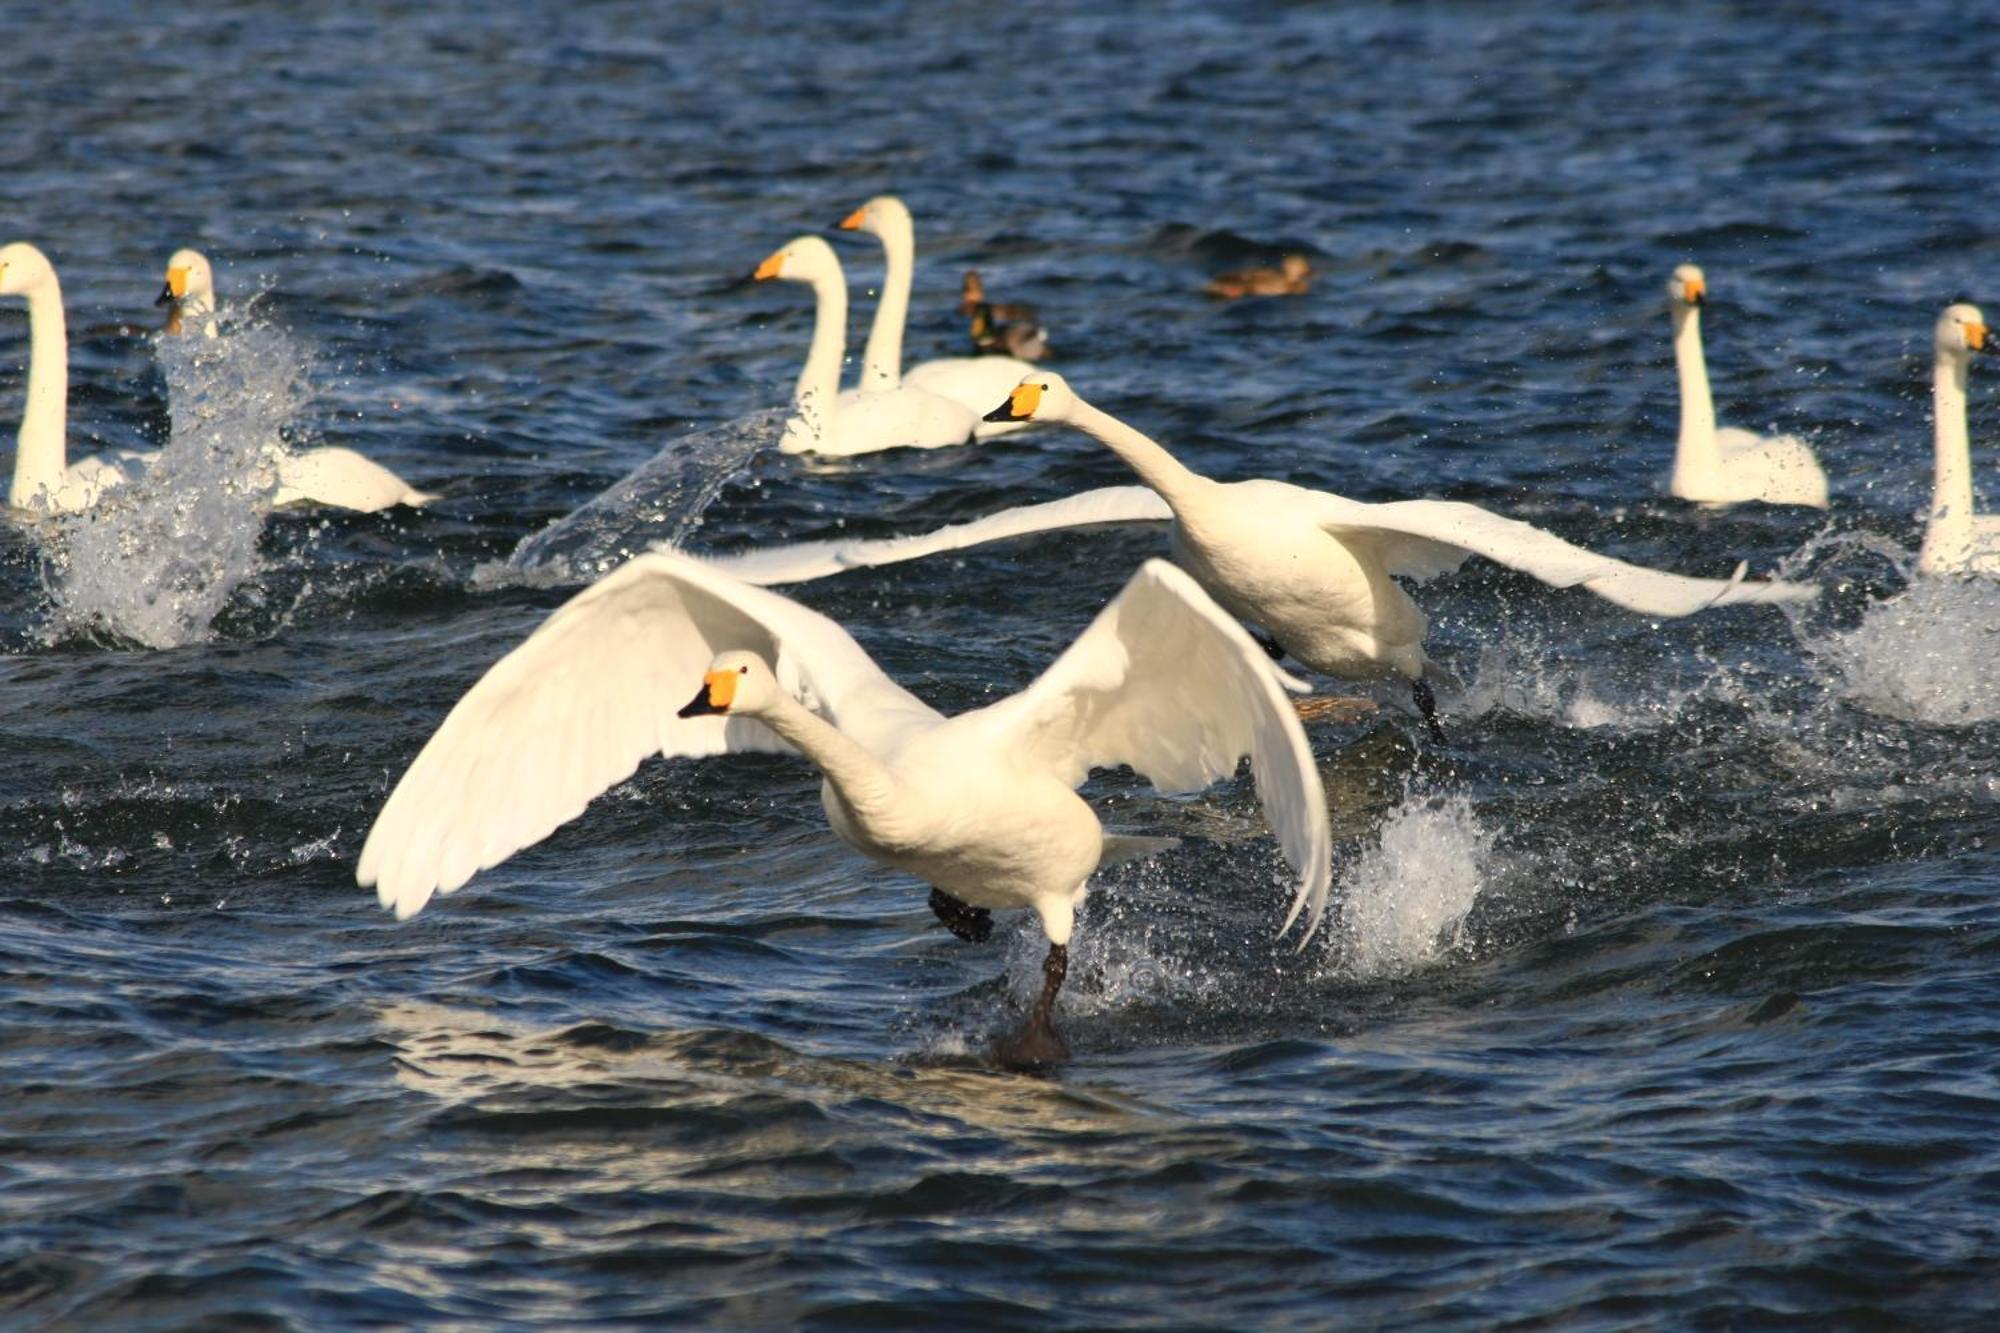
column 974, row 382
column 860, row 421
column 982, row 806
column 1958, row 539
column 338, row 478
column 44, row 481
column 1726, row 466
column 1313, row 569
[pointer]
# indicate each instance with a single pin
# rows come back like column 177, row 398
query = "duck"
column 860, row 421
column 1727, row 466
column 1291, row 278
column 1022, row 342
column 44, row 481
column 974, row 382
column 333, row 477
column 1957, row 538
column 982, row 806
column 1315, row 571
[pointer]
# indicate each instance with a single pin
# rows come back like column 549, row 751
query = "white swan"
column 860, row 421
column 44, row 479
column 1958, row 539
column 1314, row 570
column 332, row 476
column 983, row 805
column 1729, row 465
column 975, row 382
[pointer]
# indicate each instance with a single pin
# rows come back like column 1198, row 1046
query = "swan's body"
column 44, row 480
column 863, row 421
column 1315, row 570
column 1727, row 466
column 973, row 382
column 1291, row 278
column 983, row 805
column 337, row 478
column 1958, row 539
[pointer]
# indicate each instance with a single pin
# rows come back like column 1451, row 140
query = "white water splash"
column 1528, row 681
column 1929, row 654
column 159, row 557
column 1406, row 897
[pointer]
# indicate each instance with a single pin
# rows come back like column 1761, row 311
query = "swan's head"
column 878, row 217
column 190, row 282
column 1687, row 287
column 737, row 682
column 801, row 259
column 1961, row 330
column 1042, row 396
column 23, row 268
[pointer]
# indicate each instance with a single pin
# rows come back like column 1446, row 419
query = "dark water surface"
column 1715, row 1043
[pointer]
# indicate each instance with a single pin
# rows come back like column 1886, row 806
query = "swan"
column 332, row 476
column 860, row 421
column 1291, row 278
column 44, row 479
column 1958, row 539
column 1726, row 466
column 1314, row 570
column 983, row 805
column 975, row 382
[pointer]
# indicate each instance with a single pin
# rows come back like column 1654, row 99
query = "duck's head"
column 1687, row 287
column 801, row 259
column 1295, row 267
column 1961, row 331
column 972, row 290
column 878, row 217
column 737, row 682
column 1042, row 396
column 190, row 281
column 23, row 268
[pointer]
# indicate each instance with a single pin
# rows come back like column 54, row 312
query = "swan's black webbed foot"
column 974, row 925
column 1036, row 1044
column 1427, row 704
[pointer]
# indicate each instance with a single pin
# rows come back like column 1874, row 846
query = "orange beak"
column 177, row 282
column 852, row 222
column 769, row 268
column 1020, row 404
column 1697, row 292
column 1975, row 337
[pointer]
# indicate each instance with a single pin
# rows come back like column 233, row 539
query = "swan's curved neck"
column 882, row 359
column 1156, row 467
column 863, row 783
column 39, row 453
column 1951, row 481
column 817, row 394
column 1697, row 439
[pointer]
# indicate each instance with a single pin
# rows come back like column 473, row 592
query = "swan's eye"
column 743, row 671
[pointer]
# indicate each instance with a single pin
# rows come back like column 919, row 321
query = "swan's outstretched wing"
column 1166, row 681
column 1421, row 538
column 816, row 560
column 592, row 692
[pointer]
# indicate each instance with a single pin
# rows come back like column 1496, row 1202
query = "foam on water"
column 159, row 558
column 1403, row 901
column 1929, row 654
column 1525, row 679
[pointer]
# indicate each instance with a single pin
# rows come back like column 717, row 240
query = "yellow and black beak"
column 852, row 222
column 176, row 288
column 1697, row 292
column 1975, row 337
column 769, row 268
column 718, row 691
column 1020, row 404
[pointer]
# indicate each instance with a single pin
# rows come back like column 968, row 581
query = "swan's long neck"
column 1697, row 440
column 882, row 359
column 1951, row 483
column 863, row 783
column 39, row 457
column 817, row 394
column 1156, row 467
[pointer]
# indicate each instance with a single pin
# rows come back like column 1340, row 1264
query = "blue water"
column 1662, row 996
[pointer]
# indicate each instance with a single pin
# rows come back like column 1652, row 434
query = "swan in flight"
column 1729, row 465
column 335, row 477
column 983, row 806
column 44, row 479
column 1314, row 570
column 974, row 382
column 860, row 421
column 1958, row 539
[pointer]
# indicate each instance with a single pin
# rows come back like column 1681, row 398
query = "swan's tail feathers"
column 1333, row 708
column 1122, row 847
column 418, row 499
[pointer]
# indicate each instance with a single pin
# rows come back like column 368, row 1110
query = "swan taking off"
column 973, row 382
column 983, row 806
column 1727, row 465
column 863, row 421
column 1958, row 539
column 1313, row 569
column 335, row 477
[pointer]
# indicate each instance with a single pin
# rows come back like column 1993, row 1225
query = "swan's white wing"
column 816, row 560
column 1419, row 538
column 592, row 692
column 1166, row 681
column 343, row 479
